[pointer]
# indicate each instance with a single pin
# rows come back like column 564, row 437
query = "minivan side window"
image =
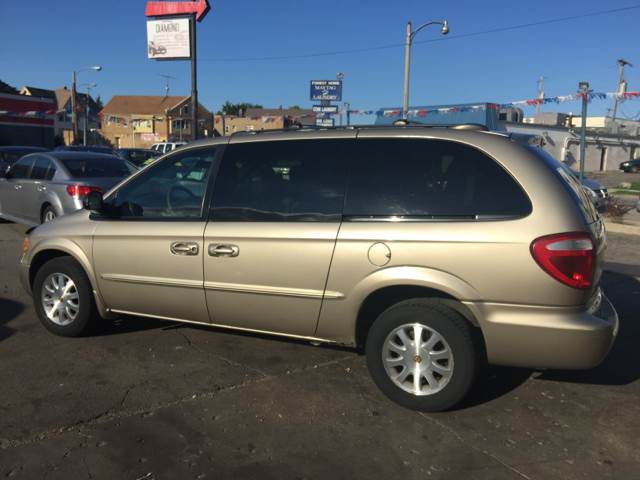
column 21, row 168
column 430, row 179
column 173, row 188
column 297, row 180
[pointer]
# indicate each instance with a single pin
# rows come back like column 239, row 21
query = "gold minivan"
column 433, row 249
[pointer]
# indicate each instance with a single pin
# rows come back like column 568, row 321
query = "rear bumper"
column 548, row 337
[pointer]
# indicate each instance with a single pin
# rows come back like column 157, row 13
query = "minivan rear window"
column 430, row 179
column 570, row 182
column 97, row 167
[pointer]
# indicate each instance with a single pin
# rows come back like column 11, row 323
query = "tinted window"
column 172, row 188
column 431, row 179
column 97, row 167
column 300, row 180
column 21, row 168
column 40, row 168
column 570, row 180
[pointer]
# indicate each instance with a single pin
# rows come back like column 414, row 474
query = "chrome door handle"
column 184, row 248
column 18, row 187
column 221, row 250
column 41, row 188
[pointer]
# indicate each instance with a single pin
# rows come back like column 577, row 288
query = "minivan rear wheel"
column 422, row 355
column 63, row 298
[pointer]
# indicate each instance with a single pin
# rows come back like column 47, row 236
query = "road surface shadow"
column 127, row 324
column 8, row 311
column 622, row 365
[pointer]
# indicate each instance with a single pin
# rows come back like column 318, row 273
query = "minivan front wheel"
column 422, row 355
column 63, row 298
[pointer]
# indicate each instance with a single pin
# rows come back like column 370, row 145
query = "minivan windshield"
column 569, row 180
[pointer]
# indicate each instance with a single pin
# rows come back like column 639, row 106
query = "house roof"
column 6, row 88
column 141, row 104
column 63, row 95
column 38, row 92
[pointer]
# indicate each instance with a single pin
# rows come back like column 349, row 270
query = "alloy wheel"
column 417, row 359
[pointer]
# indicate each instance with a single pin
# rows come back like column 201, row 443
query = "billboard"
column 326, row 90
column 168, row 39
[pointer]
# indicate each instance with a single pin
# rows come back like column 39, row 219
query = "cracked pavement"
column 145, row 399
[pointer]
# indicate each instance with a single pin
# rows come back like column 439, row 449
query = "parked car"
column 138, row 156
column 433, row 249
column 631, row 166
column 166, row 147
column 85, row 148
column 42, row 186
column 598, row 193
column 10, row 155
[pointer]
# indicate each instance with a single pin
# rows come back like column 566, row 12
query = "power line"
column 433, row 40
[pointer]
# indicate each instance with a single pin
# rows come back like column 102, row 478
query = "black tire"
column 457, row 332
column 86, row 312
column 48, row 211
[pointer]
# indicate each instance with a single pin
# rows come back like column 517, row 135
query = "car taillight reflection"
column 567, row 257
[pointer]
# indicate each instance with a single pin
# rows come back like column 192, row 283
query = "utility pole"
column 621, row 88
column 540, row 93
column 584, row 90
column 410, row 34
column 347, row 108
column 86, row 112
column 74, row 114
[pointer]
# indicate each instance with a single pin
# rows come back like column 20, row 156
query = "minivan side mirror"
column 94, row 202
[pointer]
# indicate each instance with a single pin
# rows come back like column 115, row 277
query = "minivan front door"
column 148, row 256
column 275, row 216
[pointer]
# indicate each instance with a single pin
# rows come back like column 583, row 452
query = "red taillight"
column 81, row 190
column 567, row 257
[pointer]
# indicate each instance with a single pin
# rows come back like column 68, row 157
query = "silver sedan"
column 42, row 186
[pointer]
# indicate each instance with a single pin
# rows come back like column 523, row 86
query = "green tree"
column 99, row 103
column 234, row 108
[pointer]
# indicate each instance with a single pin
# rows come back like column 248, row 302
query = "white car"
column 166, row 147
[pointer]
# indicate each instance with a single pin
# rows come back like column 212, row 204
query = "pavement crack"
column 110, row 416
column 227, row 361
column 461, row 439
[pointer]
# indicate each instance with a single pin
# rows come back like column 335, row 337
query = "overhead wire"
column 432, row 40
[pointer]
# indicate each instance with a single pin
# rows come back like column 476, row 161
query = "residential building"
column 142, row 120
column 263, row 119
column 63, row 126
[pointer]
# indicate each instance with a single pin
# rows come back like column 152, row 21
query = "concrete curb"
column 622, row 228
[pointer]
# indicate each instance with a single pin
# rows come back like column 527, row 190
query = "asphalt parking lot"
column 144, row 399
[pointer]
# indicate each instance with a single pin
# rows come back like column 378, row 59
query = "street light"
column 74, row 100
column 407, row 57
column 86, row 111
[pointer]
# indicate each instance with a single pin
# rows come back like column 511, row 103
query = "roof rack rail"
column 397, row 123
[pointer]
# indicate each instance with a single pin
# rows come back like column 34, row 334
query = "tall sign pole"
column 194, row 80
column 167, row 40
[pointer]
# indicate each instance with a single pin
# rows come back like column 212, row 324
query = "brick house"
column 142, row 120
